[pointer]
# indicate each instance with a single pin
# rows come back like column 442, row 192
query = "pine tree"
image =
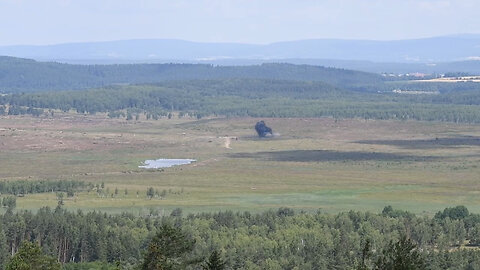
column 167, row 249
column 401, row 256
column 31, row 257
column 366, row 254
column 215, row 262
column 3, row 248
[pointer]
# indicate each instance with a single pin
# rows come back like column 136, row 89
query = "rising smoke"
column 263, row 130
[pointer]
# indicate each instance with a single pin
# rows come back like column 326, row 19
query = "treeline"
column 279, row 239
column 441, row 87
column 23, row 75
column 253, row 97
column 18, row 110
column 195, row 97
column 468, row 96
column 29, row 187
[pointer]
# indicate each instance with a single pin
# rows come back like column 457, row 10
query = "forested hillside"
column 250, row 97
column 272, row 240
column 205, row 97
column 267, row 90
column 23, row 75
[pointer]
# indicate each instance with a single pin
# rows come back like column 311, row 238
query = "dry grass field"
column 453, row 79
column 311, row 164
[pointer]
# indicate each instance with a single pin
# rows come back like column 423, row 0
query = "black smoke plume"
column 262, row 129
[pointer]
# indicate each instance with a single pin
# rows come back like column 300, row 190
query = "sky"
column 41, row 22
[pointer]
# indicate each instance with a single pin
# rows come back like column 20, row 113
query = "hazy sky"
column 260, row 21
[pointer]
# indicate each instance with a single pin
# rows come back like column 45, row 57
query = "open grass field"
column 311, row 164
column 453, row 79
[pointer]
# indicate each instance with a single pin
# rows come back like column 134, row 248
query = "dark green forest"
column 267, row 90
column 23, row 75
column 280, row 239
column 250, row 97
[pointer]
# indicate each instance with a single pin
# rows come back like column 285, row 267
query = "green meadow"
column 310, row 164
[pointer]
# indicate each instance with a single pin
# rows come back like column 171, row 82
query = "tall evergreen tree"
column 31, row 257
column 214, row 262
column 3, row 248
column 401, row 256
column 167, row 249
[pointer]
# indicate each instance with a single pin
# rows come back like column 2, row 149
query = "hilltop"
column 24, row 75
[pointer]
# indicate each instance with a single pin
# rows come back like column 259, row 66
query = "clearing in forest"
column 322, row 163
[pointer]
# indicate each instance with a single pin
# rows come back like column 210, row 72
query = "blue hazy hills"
column 426, row 50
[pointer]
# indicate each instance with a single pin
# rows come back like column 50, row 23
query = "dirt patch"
column 228, row 141
column 64, row 132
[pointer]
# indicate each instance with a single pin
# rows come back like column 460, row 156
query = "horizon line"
column 458, row 35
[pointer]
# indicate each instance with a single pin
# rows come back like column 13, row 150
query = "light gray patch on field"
column 165, row 163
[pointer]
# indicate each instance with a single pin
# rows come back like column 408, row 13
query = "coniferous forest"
column 268, row 90
column 281, row 239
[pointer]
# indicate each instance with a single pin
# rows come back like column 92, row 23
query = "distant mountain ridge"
column 426, row 50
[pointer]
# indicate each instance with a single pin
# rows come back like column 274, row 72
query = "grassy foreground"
column 421, row 167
